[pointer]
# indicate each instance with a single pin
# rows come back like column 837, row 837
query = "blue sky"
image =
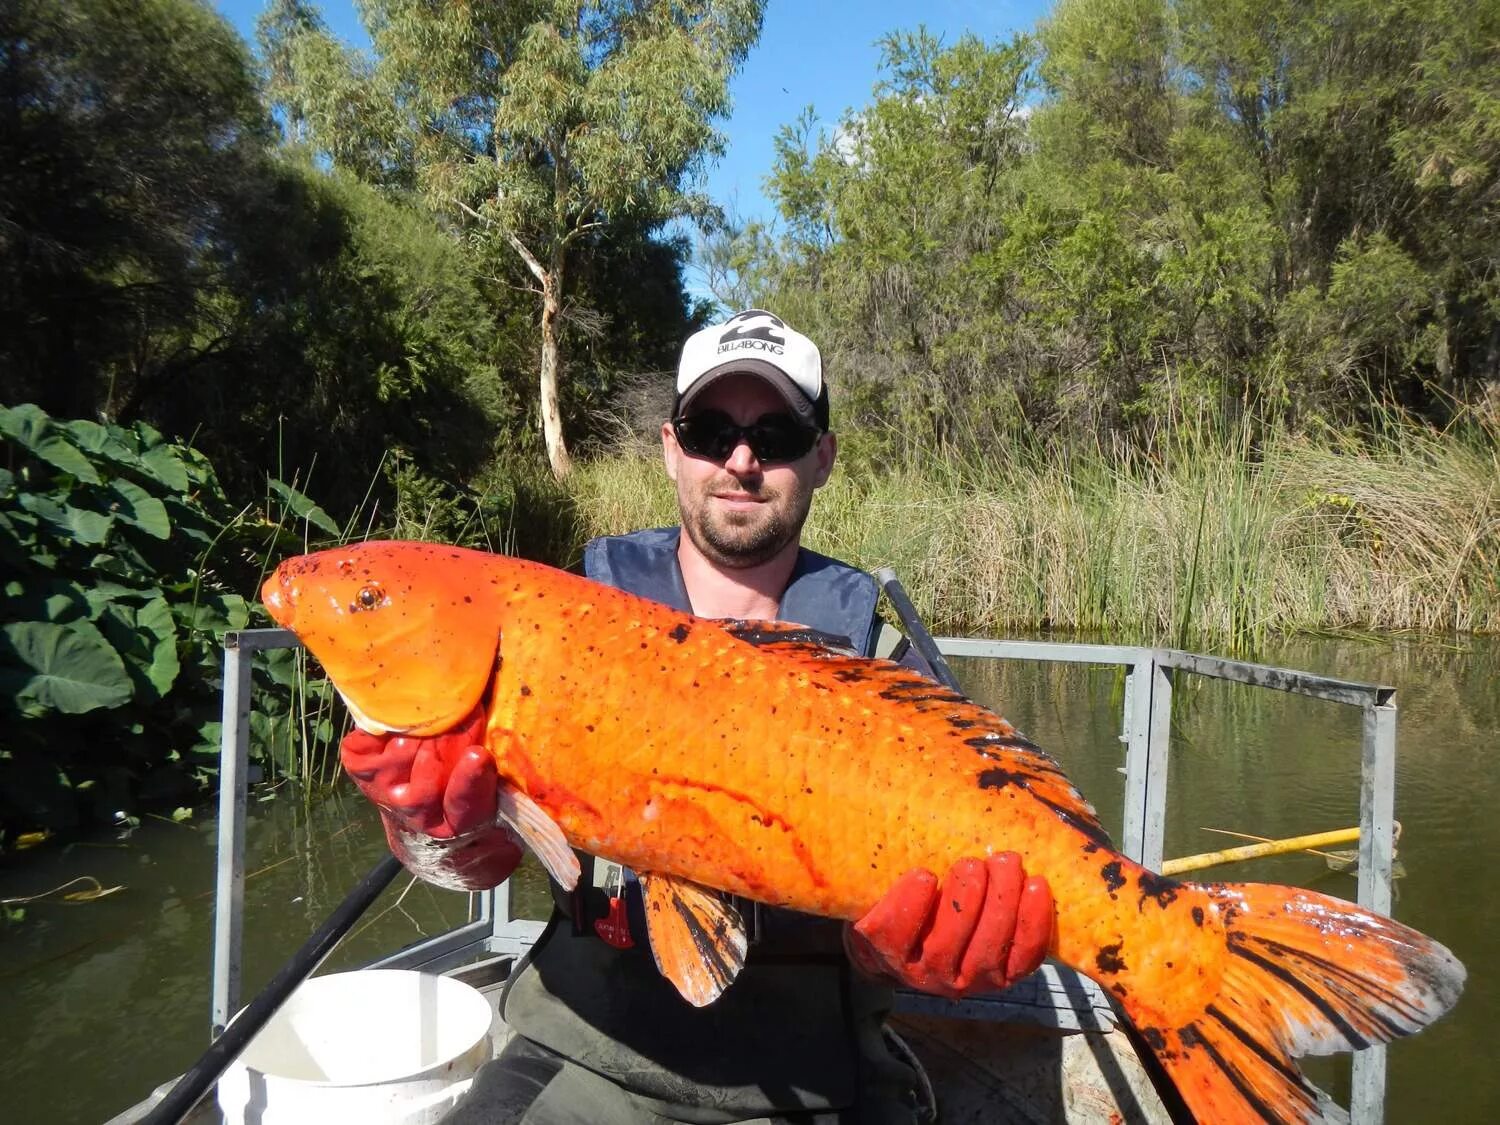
column 817, row 52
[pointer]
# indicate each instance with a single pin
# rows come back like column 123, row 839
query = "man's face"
column 739, row 512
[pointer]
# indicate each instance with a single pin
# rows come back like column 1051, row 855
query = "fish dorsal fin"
column 784, row 635
column 540, row 833
column 697, row 938
column 1005, row 756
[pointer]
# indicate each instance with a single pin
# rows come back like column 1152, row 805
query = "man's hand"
column 437, row 798
column 986, row 928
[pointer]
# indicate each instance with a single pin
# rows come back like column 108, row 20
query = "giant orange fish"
column 746, row 757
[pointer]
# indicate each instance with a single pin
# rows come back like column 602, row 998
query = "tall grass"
column 1214, row 543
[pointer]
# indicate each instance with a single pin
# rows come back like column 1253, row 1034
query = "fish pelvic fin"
column 1305, row 974
column 540, row 833
column 697, row 938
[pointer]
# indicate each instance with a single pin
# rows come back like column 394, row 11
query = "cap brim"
column 800, row 405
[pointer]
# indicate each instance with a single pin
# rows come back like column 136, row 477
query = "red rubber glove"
column 437, row 798
column 989, row 927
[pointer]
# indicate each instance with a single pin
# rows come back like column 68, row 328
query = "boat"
column 1050, row 1049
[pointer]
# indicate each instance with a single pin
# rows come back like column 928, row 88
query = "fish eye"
column 369, row 597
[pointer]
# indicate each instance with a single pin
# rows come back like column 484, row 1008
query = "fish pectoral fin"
column 697, row 938
column 540, row 833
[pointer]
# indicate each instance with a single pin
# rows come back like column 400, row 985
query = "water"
column 103, row 1000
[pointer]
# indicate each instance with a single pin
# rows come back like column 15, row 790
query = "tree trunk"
column 552, row 432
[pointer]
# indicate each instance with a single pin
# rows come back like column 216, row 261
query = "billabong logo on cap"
column 754, row 331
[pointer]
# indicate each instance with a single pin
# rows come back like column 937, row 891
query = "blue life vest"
column 823, row 593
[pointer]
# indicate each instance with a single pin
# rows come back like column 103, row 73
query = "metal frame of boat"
column 1056, row 997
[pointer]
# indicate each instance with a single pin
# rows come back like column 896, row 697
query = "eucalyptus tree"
column 532, row 126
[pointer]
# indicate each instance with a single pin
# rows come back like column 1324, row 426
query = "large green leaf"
column 156, row 618
column 28, row 426
column 101, row 441
column 146, row 640
column 139, row 507
column 167, row 467
column 101, row 593
column 78, row 525
column 68, row 668
column 47, row 599
column 214, row 613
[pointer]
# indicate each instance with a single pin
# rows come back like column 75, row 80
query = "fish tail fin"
column 1305, row 974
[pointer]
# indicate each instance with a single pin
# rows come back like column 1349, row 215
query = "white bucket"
column 379, row 1045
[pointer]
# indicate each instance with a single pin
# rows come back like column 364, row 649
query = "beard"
column 738, row 540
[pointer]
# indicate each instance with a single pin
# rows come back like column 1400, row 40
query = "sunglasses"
column 773, row 438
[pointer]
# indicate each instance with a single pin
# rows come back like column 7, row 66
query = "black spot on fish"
column 848, row 675
column 1114, row 878
column 1109, row 959
column 959, row 722
column 1159, row 887
column 1154, row 1038
column 1198, row 916
column 680, row 633
column 1119, row 990
column 525, row 690
column 999, row 778
column 920, row 690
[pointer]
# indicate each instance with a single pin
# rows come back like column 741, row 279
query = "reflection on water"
column 104, row 1000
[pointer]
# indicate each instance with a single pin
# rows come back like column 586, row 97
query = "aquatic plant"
column 123, row 565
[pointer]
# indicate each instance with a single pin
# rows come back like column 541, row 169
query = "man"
column 602, row 1036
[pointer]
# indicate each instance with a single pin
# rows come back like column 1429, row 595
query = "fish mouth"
column 363, row 721
column 276, row 603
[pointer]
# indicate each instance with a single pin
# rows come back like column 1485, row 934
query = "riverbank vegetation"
column 1215, row 544
column 1167, row 320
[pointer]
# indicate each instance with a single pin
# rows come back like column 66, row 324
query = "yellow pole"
column 1254, row 851
column 1268, row 840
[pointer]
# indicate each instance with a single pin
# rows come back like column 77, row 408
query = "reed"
column 1210, row 543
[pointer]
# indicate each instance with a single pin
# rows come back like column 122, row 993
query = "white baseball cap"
column 757, row 343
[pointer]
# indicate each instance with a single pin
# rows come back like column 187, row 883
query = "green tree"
column 128, row 130
column 161, row 260
column 530, row 127
column 1274, row 211
column 889, row 221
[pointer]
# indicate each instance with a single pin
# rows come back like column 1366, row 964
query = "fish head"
column 408, row 632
